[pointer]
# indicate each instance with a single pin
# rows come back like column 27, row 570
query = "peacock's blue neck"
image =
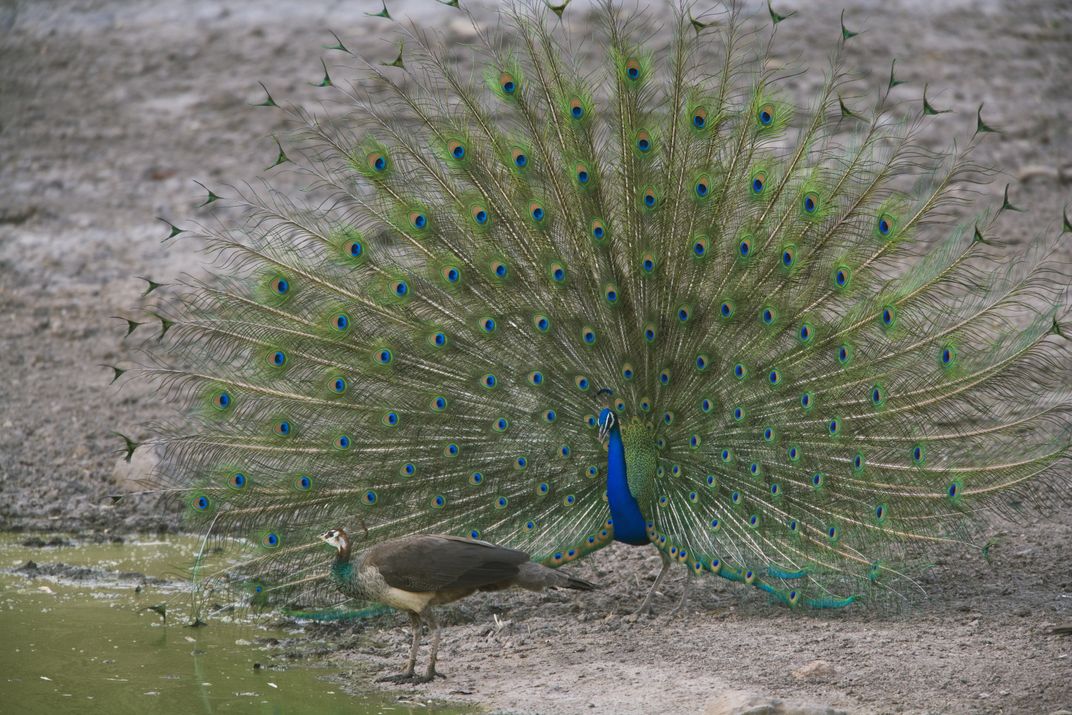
column 629, row 522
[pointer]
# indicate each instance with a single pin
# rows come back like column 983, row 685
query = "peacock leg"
column 430, row 674
column 680, row 607
column 645, row 607
column 407, row 675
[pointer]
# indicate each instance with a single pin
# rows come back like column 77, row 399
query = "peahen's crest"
column 812, row 353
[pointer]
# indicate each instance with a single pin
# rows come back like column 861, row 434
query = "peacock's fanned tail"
column 835, row 358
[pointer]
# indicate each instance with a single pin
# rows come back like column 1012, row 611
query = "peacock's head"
column 337, row 538
column 607, row 423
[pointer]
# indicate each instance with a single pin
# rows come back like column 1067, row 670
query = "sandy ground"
column 108, row 110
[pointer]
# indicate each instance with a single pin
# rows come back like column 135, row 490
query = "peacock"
column 556, row 303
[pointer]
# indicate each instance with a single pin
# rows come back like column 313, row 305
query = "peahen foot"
column 428, row 677
column 407, row 676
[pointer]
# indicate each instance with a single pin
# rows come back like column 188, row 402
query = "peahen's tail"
column 830, row 357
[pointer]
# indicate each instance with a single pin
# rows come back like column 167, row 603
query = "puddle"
column 78, row 636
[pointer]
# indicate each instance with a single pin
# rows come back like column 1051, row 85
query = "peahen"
column 554, row 305
column 414, row 573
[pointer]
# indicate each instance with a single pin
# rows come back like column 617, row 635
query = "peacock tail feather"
column 818, row 353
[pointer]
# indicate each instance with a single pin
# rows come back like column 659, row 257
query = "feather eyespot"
column 810, row 203
column 377, row 161
column 271, row 540
column 610, row 293
column 844, row 354
column 418, row 220
column 480, row 215
column 451, row 274
column 842, row 277
column 598, row 229
column 648, row 263
column 303, row 483
column 519, row 158
column 765, row 115
column 507, row 83
column 633, row 69
column 399, row 289
column 541, row 322
column 948, row 356
column 582, row 174
column 759, row 182
column 557, row 272
column 282, row 428
column 789, row 256
column 499, row 269
column 885, row 225
column 576, row 108
column 341, row 322
column 649, row 197
column 383, row 356
column 341, row 442
column 279, row 285
column 698, row 118
column 588, row 335
column 201, row 502
column 699, row 247
column 537, row 212
column 642, row 141
column 221, row 400
column 888, row 316
column 237, row 481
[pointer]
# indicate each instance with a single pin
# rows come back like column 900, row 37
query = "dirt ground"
column 108, row 110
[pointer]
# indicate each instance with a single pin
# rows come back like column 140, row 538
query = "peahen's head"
column 339, row 539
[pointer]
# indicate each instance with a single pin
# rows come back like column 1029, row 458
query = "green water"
column 88, row 645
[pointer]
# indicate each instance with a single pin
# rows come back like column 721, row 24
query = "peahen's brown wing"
column 438, row 563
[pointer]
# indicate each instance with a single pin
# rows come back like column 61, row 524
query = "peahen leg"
column 645, row 607
column 430, row 674
column 407, row 675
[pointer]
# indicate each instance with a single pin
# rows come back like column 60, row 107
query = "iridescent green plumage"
column 814, row 364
